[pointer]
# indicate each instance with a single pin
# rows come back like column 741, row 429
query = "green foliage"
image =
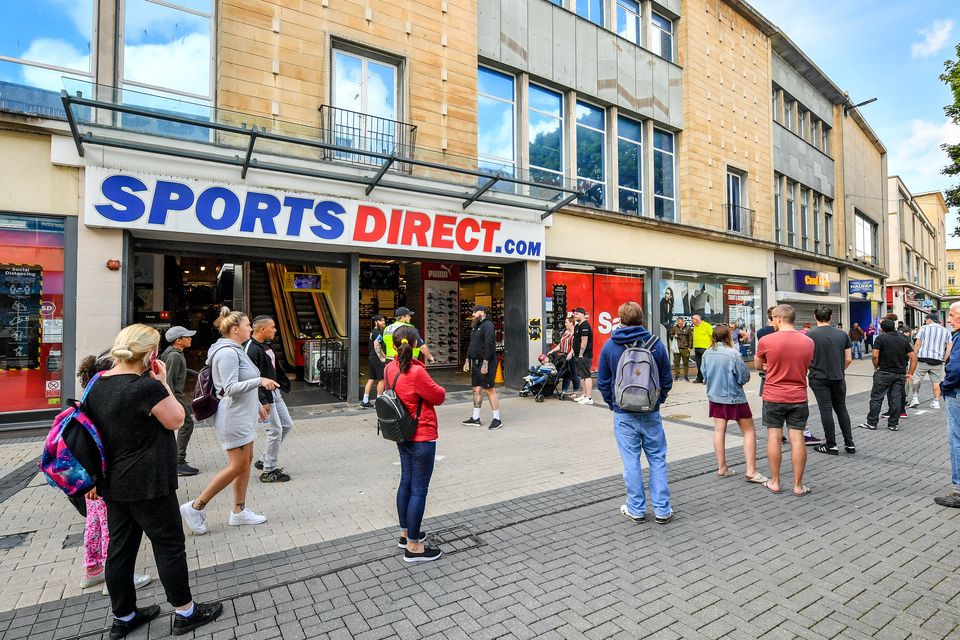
column 951, row 77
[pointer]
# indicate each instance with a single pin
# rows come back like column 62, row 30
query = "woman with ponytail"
column 136, row 414
column 419, row 394
column 237, row 379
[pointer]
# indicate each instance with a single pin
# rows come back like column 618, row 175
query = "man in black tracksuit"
column 482, row 364
column 273, row 410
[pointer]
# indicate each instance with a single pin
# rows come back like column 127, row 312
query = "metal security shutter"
column 805, row 312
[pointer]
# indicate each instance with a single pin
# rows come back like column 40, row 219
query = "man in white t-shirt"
column 933, row 347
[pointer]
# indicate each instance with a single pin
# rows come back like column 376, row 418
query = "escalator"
column 305, row 309
column 262, row 304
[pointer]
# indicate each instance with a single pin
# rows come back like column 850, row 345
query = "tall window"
column 802, row 119
column 592, row 10
column 788, row 113
column 827, row 227
column 814, row 133
column 365, row 93
column 866, row 238
column 918, row 272
column 664, row 172
column 630, row 165
column 776, row 104
column 791, row 213
column 661, row 38
column 951, row 280
column 825, row 139
column 804, row 219
column 545, row 135
column 736, row 219
column 817, row 223
column 777, row 213
column 628, row 20
column 591, row 151
column 908, row 260
column 496, row 106
column 41, row 41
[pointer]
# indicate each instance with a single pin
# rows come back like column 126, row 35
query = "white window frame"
column 827, row 226
column 656, row 34
column 630, row 15
column 673, row 176
column 639, row 145
column 778, row 208
column 512, row 163
column 365, row 59
column 791, row 212
column 591, row 18
column 817, row 223
column 563, row 134
column 804, row 218
column 951, row 266
column 865, row 234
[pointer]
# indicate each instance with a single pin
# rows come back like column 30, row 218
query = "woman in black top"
column 136, row 414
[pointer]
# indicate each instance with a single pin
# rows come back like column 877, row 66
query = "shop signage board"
column 860, row 286
column 135, row 201
column 808, row 281
column 21, row 288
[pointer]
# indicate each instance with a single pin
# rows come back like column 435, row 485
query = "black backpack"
column 394, row 422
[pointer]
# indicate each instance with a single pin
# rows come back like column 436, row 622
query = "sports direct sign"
column 133, row 201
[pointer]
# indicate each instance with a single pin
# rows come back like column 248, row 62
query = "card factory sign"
column 126, row 200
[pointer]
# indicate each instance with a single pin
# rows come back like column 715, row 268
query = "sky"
column 892, row 50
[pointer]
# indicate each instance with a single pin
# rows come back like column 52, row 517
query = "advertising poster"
column 21, row 287
column 742, row 310
column 682, row 298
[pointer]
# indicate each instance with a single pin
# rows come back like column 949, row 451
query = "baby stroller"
column 544, row 379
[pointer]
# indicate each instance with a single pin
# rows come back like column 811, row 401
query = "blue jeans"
column 636, row 432
column 953, row 436
column 857, row 349
column 416, row 468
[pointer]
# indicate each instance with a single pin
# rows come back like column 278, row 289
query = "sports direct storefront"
column 321, row 256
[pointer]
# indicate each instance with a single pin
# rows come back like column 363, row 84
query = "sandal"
column 822, row 448
column 757, row 478
column 728, row 474
column 806, row 491
column 766, row 485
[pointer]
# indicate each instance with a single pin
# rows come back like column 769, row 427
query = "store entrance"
column 306, row 301
column 441, row 296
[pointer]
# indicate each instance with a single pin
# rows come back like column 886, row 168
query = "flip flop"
column 730, row 472
column 806, row 491
column 766, row 485
column 757, row 478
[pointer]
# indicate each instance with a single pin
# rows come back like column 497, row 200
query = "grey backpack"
column 637, row 383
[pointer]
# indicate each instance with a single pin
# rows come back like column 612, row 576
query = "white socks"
column 186, row 613
column 496, row 414
column 127, row 618
column 366, row 398
column 476, row 413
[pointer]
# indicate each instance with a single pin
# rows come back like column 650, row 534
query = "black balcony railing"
column 739, row 219
column 343, row 128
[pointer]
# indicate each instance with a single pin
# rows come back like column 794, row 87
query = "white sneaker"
column 246, row 517
column 587, row 401
column 914, row 402
column 934, row 404
column 140, row 580
column 196, row 520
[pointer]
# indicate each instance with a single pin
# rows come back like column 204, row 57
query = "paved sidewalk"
column 867, row 555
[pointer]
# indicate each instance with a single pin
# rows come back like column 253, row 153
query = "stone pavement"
column 867, row 555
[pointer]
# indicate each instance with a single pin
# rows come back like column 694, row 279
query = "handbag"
column 394, row 422
column 674, row 346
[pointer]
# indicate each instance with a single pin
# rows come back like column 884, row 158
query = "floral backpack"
column 58, row 463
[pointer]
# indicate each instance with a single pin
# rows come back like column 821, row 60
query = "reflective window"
column 866, row 240
column 777, row 214
column 791, row 213
column 664, row 173
column 545, row 135
column 628, row 20
column 661, row 38
column 496, row 117
column 630, row 165
column 591, row 138
column 365, row 97
column 592, row 10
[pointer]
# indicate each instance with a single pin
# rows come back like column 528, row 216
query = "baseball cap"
column 178, row 332
column 478, row 307
column 402, row 311
column 934, row 317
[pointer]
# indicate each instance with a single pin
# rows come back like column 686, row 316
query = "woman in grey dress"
column 237, row 379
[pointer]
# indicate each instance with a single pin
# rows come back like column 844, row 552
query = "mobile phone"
column 153, row 363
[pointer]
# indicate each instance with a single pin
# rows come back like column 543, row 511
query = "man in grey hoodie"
column 180, row 338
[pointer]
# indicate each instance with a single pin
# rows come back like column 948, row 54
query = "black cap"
column 579, row 310
column 378, row 317
column 934, row 317
column 479, row 307
column 402, row 311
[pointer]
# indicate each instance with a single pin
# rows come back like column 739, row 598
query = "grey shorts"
column 795, row 415
column 935, row 371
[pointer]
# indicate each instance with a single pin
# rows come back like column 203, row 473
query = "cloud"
column 918, row 158
column 54, row 52
column 935, row 37
column 182, row 64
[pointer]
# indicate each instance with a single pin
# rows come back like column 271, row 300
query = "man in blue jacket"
column 636, row 432
column 950, row 390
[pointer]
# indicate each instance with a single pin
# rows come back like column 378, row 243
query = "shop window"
column 791, row 213
column 828, row 227
column 591, row 151
column 661, row 37
column 592, row 10
column 365, row 97
column 545, row 135
column 496, row 106
column 866, row 238
column 664, row 172
column 41, row 42
column 804, row 219
column 628, row 20
column 31, row 312
column 630, row 165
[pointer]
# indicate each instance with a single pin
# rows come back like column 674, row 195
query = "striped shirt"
column 933, row 341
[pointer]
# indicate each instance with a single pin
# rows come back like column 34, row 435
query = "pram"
column 544, row 379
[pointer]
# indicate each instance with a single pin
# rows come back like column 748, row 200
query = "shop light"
column 481, row 273
column 203, row 268
column 738, row 280
column 186, row 272
column 576, row 267
column 629, row 270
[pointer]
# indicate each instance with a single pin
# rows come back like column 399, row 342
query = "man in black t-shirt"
column 832, row 354
column 891, row 357
column 583, row 354
column 375, row 360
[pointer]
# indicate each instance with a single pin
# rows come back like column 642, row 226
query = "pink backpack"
column 58, row 463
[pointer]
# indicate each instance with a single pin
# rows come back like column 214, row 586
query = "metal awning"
column 119, row 118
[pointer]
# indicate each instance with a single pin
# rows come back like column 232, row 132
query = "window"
column 41, row 41
column 591, row 146
column 828, row 227
column 791, row 213
column 777, row 214
column 817, row 224
column 365, row 94
column 628, row 20
column 908, row 264
column 496, row 122
column 630, row 165
column 736, row 213
column 825, row 139
column 866, row 238
column 951, row 266
column 802, row 118
column 813, row 135
column 663, row 175
column 661, row 37
column 592, row 10
column 804, row 222
column 545, row 135
column 788, row 106
column 916, row 274
column 777, row 117
column 951, row 280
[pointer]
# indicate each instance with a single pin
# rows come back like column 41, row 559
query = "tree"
column 951, row 77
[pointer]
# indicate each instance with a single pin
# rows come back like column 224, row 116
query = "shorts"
column 482, row 380
column 794, row 414
column 375, row 368
column 583, row 366
column 935, row 371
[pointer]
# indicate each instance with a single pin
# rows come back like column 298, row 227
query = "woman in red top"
column 419, row 394
column 565, row 349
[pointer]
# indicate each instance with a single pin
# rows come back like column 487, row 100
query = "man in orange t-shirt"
column 785, row 356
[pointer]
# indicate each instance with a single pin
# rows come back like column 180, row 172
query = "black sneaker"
column 893, row 427
column 184, row 469
column 366, row 405
column 277, row 475
column 943, row 501
column 885, row 415
column 664, row 519
column 258, row 465
column 822, row 448
column 867, row 425
column 202, row 614
column 471, row 422
column 849, row 448
column 496, row 424
column 429, row 554
column 402, row 542
column 141, row 617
